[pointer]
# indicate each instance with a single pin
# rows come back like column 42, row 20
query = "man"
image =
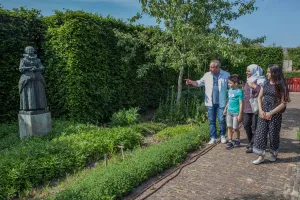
column 215, row 82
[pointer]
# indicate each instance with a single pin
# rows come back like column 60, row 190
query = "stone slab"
column 34, row 124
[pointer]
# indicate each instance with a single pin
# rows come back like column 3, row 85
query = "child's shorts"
column 232, row 121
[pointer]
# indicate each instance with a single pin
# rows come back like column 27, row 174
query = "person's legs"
column 274, row 135
column 235, row 126
column 247, row 125
column 253, row 127
column 212, row 111
column 260, row 140
column 222, row 122
column 229, row 121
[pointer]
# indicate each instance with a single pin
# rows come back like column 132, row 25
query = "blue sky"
column 277, row 19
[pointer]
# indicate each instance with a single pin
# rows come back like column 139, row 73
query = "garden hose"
column 178, row 169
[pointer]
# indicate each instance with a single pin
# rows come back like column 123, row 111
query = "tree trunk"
column 179, row 90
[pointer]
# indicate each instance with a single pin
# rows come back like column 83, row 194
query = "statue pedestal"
column 34, row 123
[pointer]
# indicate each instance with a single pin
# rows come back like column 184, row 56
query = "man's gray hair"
column 217, row 63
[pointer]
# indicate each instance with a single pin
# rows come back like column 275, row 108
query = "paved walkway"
column 230, row 174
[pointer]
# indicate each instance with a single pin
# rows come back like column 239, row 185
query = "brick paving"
column 230, row 174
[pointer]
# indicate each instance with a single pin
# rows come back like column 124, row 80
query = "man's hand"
column 188, row 81
column 224, row 111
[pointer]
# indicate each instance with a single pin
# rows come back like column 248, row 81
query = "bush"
column 41, row 159
column 149, row 128
column 125, row 117
column 262, row 56
column 117, row 180
column 298, row 134
column 170, row 132
column 294, row 55
column 9, row 136
column 292, row 74
column 18, row 28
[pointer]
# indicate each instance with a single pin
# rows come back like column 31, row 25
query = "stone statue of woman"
column 32, row 83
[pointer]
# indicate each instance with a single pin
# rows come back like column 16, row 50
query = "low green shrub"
column 125, row 117
column 298, row 134
column 9, row 136
column 119, row 179
column 292, row 74
column 149, row 128
column 38, row 160
column 170, row 132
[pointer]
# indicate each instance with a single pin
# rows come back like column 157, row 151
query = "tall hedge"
column 18, row 28
column 86, row 77
column 294, row 55
column 262, row 56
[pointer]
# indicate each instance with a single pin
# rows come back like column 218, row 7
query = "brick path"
column 230, row 174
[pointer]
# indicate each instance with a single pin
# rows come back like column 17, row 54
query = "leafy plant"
column 170, row 132
column 190, row 109
column 126, row 117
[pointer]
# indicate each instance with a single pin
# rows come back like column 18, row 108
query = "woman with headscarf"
column 251, row 90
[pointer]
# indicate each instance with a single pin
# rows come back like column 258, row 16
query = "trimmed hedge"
column 87, row 78
column 292, row 74
column 39, row 160
column 18, row 28
column 294, row 55
column 262, row 56
column 119, row 179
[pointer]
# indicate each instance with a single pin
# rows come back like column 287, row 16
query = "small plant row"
column 38, row 160
column 119, row 179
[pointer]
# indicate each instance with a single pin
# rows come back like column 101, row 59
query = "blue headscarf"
column 256, row 75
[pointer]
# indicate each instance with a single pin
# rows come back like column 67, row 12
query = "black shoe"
column 230, row 145
column 248, row 146
column 237, row 143
column 250, row 150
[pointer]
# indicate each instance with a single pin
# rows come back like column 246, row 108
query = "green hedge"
column 86, row 77
column 292, row 74
column 39, row 160
column 294, row 55
column 262, row 56
column 18, row 28
column 119, row 179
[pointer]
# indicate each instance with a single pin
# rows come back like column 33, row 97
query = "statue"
column 32, row 83
column 34, row 116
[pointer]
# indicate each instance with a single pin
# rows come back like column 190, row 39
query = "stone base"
column 34, row 124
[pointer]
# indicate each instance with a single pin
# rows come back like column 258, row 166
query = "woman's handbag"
column 253, row 103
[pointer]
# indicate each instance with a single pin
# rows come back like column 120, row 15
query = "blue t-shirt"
column 234, row 97
column 215, row 91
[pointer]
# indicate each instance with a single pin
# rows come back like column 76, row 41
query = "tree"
column 193, row 30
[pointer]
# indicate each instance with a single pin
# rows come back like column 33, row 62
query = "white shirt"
column 207, row 81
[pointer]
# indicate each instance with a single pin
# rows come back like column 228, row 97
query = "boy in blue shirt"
column 234, row 110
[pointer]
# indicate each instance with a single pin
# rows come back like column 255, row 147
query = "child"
column 234, row 110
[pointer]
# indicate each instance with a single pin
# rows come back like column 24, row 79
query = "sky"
column 278, row 20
